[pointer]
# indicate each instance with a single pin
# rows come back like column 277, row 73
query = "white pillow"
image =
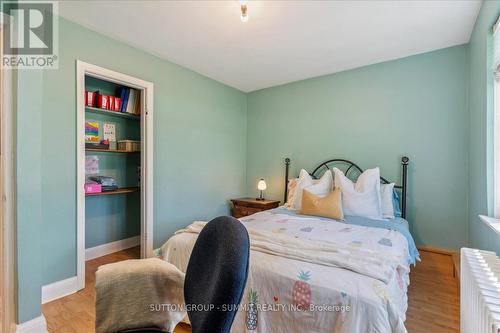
column 363, row 197
column 321, row 187
column 292, row 187
column 386, row 191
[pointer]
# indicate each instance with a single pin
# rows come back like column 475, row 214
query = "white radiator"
column 479, row 291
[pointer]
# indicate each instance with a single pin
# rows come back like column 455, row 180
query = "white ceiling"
column 283, row 41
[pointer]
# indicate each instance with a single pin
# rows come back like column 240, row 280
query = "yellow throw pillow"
column 329, row 206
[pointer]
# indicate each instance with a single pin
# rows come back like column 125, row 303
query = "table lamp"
column 261, row 186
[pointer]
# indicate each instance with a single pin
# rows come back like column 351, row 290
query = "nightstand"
column 248, row 206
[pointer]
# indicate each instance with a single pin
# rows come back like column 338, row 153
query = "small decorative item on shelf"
column 102, row 101
column 129, row 145
column 261, row 186
column 90, row 98
column 91, row 165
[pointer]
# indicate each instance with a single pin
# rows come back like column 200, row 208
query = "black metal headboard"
column 354, row 168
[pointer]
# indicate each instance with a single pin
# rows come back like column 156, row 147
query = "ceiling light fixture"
column 244, row 11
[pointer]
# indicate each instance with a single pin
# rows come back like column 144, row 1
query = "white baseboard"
column 37, row 325
column 104, row 249
column 59, row 289
column 69, row 286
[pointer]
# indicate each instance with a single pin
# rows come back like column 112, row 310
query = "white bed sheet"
column 357, row 303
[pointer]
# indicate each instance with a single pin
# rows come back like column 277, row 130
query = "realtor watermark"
column 260, row 307
column 30, row 35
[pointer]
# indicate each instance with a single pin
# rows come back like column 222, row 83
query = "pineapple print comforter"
column 311, row 274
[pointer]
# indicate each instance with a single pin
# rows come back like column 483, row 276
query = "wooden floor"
column 76, row 313
column 433, row 298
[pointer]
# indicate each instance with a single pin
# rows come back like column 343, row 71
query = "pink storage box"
column 93, row 188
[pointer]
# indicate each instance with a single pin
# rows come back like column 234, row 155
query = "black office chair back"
column 216, row 275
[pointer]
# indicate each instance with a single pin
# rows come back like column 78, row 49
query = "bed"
column 330, row 276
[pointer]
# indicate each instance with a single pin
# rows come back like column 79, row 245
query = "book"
column 125, row 92
column 91, row 131
column 138, row 106
column 109, row 131
column 131, row 101
column 121, row 94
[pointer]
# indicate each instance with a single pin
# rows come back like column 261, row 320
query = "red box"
column 90, row 98
column 118, row 104
column 111, row 102
column 93, row 188
column 102, row 101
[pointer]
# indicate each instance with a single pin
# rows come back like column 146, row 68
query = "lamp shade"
column 261, row 185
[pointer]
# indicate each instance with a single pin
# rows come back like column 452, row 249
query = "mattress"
column 289, row 295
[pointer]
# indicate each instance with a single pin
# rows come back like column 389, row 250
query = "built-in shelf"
column 122, row 190
column 112, row 113
column 97, row 150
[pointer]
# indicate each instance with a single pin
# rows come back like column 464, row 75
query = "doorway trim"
column 146, row 193
column 7, row 193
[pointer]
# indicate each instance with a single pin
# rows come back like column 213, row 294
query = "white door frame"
column 146, row 88
column 7, row 202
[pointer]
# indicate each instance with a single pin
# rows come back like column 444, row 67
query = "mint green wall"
column 29, row 192
column 111, row 218
column 199, row 147
column 373, row 115
column 480, row 128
